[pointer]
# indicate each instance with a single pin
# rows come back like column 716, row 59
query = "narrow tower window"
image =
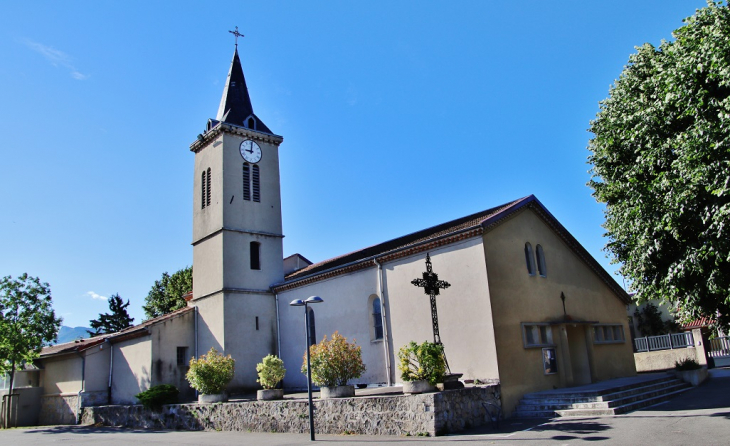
column 377, row 319
column 202, row 191
column 256, row 185
column 255, row 249
column 250, row 123
column 246, row 182
column 207, row 192
column 529, row 259
column 541, row 261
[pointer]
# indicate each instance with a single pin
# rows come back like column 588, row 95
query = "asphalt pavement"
column 698, row 416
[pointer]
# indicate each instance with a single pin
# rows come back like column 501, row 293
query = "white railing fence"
column 719, row 347
column 664, row 342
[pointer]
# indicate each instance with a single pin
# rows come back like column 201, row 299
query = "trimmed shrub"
column 422, row 362
column 154, row 397
column 271, row 370
column 334, row 362
column 210, row 373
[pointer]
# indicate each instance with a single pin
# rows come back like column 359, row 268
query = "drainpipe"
column 111, row 367
column 384, row 321
column 83, row 384
column 196, row 332
column 278, row 332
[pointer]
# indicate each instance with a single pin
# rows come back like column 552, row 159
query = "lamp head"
column 297, row 303
column 314, row 300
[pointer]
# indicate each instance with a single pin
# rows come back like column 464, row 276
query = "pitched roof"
column 235, row 106
column 460, row 224
column 136, row 330
column 448, row 232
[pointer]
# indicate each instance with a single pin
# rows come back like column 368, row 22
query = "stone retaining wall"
column 431, row 413
column 58, row 409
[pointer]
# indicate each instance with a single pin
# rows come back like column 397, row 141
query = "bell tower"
column 237, row 231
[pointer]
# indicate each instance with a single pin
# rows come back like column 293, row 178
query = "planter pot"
column 212, row 398
column 420, row 386
column 270, row 394
column 694, row 377
column 337, row 392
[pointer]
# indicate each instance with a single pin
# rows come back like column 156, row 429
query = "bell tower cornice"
column 206, row 138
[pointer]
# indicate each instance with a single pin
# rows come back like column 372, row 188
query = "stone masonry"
column 431, row 413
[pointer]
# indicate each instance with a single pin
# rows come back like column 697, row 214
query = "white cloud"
column 93, row 295
column 56, row 58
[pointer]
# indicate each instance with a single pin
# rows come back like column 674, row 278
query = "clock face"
column 250, row 151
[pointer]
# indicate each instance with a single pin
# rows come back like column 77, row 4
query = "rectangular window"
column 255, row 251
column 246, row 182
column 182, row 356
column 608, row 334
column 537, row 335
column 549, row 361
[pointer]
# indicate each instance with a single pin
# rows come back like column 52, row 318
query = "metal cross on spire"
column 237, row 34
column 432, row 286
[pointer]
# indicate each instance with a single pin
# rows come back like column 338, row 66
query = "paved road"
column 699, row 416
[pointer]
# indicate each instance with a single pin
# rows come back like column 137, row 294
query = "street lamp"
column 305, row 304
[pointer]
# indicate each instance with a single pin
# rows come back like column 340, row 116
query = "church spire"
column 235, row 107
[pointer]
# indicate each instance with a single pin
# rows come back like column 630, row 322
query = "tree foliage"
column 661, row 164
column 167, row 293
column 116, row 320
column 650, row 323
column 27, row 321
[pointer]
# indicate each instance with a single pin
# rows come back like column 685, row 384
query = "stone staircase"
column 601, row 399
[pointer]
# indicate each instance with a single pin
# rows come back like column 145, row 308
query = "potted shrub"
column 690, row 371
column 209, row 375
column 271, row 371
column 334, row 363
column 421, row 366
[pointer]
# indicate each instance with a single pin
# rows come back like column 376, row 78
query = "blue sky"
column 396, row 116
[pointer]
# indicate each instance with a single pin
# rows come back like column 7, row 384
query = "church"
column 527, row 305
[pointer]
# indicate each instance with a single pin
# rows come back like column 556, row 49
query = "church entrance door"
column 578, row 348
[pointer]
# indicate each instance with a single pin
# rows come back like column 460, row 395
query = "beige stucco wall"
column 465, row 315
column 166, row 337
column 662, row 359
column 345, row 309
column 61, row 375
column 243, row 342
column 131, row 369
column 518, row 297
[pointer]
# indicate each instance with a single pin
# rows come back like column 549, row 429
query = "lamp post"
column 305, row 304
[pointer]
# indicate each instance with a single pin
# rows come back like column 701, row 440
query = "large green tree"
column 27, row 321
column 661, row 164
column 116, row 320
column 167, row 293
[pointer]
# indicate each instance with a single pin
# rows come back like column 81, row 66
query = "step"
column 569, row 393
column 638, row 394
column 630, row 407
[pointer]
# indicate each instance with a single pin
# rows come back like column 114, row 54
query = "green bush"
column 422, row 362
column 154, row 397
column 334, row 362
column 210, row 373
column 686, row 364
column 271, row 370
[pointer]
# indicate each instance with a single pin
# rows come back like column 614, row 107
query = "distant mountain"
column 68, row 334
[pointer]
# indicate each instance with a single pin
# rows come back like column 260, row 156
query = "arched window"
column 207, row 196
column 202, row 191
column 256, row 185
column 312, row 329
column 377, row 319
column 255, row 250
column 529, row 259
column 251, row 123
column 541, row 261
column 246, row 182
